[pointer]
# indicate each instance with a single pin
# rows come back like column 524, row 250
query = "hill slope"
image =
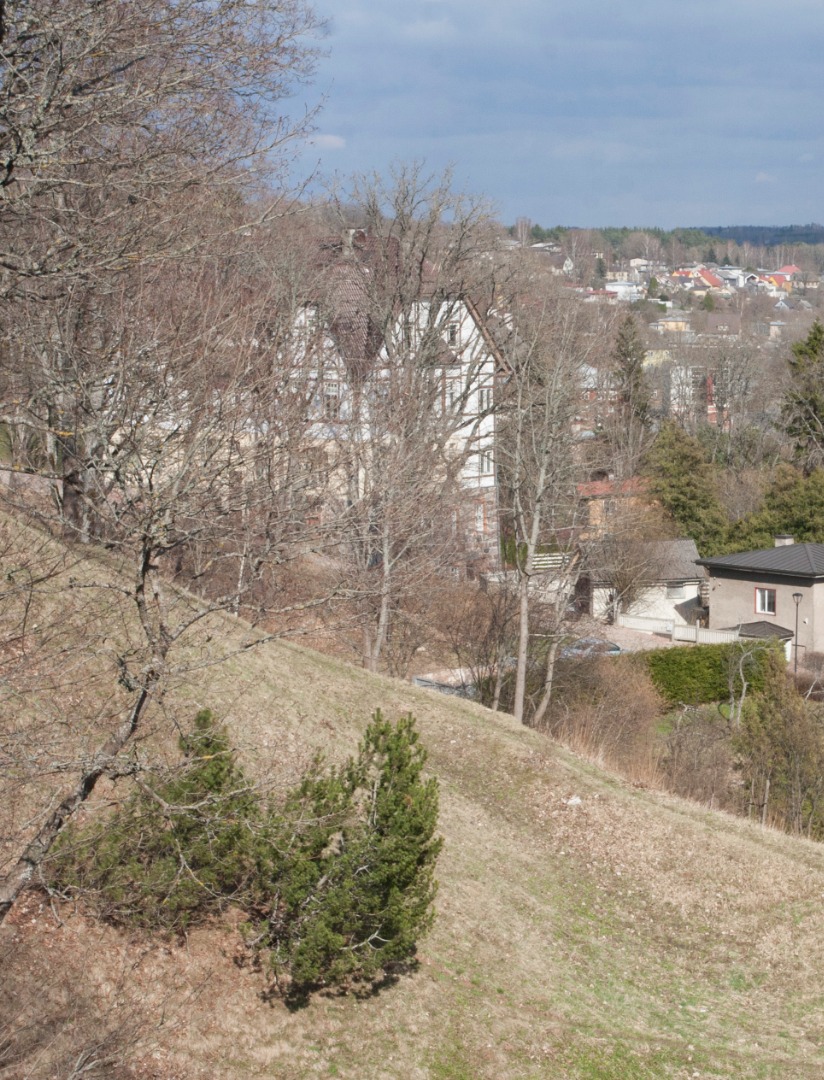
column 586, row 928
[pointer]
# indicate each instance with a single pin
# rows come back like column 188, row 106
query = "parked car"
column 589, row 646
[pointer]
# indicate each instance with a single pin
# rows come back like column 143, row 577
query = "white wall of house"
column 464, row 385
column 659, row 601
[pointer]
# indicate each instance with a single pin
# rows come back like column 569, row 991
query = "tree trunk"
column 39, row 846
column 499, row 682
column 546, row 697
column 523, row 645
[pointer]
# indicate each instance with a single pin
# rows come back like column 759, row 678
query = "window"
column 484, row 399
column 480, row 523
column 676, row 590
column 485, row 464
column 452, row 334
column 765, row 601
column 311, row 318
column 331, row 400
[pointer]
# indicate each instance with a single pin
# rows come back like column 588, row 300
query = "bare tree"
column 179, row 455
column 115, row 116
column 409, row 391
column 481, row 626
column 625, row 556
column 139, row 390
column 540, row 468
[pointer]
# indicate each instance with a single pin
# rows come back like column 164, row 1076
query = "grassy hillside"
column 586, row 929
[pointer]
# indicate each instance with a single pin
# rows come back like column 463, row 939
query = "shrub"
column 357, row 889
column 698, row 674
column 698, row 760
column 337, row 883
column 176, row 850
column 609, row 709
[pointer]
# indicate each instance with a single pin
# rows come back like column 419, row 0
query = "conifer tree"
column 683, row 482
column 803, row 408
column 628, row 358
column 357, row 893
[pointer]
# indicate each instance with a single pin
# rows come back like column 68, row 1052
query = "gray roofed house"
column 780, row 587
column 648, row 579
column 785, row 558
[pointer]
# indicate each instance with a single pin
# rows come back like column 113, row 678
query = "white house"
column 660, row 579
column 372, row 351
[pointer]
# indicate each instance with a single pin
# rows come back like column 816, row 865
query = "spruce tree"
column 803, row 407
column 631, row 382
column 684, row 483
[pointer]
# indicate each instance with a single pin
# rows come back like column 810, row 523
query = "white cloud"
column 329, row 142
column 765, row 178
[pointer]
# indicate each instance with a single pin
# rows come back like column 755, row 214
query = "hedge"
column 698, row 674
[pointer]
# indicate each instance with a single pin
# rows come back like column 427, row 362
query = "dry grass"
column 587, row 928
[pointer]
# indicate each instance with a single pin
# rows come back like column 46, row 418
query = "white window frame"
column 486, row 462
column 765, row 601
column 331, row 399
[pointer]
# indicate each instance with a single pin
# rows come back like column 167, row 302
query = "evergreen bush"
column 337, row 883
column 357, row 889
column 176, row 850
column 699, row 674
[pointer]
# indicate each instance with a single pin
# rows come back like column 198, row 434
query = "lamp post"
column 797, row 598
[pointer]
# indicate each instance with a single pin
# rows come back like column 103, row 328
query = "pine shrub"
column 356, row 891
column 177, row 850
column 337, row 883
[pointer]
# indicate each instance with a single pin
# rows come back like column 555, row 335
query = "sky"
column 584, row 112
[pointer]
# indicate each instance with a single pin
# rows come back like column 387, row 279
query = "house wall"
column 466, row 388
column 732, row 601
column 652, row 603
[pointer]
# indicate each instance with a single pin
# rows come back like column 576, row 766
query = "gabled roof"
column 713, row 280
column 789, row 560
column 679, row 557
column 666, row 561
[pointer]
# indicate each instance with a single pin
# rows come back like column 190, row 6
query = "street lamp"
column 797, row 598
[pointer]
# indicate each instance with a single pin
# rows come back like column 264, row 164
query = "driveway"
column 629, row 640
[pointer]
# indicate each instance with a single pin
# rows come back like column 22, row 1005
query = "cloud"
column 587, row 112
column 329, row 142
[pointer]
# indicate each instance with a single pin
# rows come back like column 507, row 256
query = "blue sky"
column 585, row 112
